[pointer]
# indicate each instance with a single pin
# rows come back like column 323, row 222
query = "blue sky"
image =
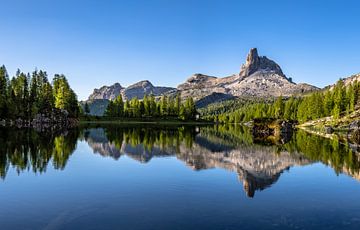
column 97, row 43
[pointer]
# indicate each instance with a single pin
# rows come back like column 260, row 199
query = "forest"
column 25, row 95
column 336, row 101
column 149, row 107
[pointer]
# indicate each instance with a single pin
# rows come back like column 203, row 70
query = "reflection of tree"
column 64, row 146
column 227, row 147
column 329, row 151
column 27, row 149
column 140, row 142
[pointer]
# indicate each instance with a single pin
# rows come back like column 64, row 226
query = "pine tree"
column 4, row 82
column 86, row 108
column 163, row 106
column 279, row 107
column 119, row 106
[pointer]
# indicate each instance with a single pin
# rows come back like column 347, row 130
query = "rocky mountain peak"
column 255, row 63
column 106, row 92
column 142, row 84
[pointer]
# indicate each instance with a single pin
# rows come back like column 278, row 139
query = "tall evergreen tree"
column 4, row 82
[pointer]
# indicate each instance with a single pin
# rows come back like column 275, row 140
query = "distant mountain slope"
column 258, row 77
column 138, row 90
column 99, row 99
column 97, row 106
column 144, row 88
column 213, row 98
column 107, row 92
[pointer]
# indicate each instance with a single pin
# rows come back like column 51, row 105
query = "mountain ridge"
column 259, row 77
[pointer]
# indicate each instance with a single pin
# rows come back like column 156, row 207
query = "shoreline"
column 134, row 122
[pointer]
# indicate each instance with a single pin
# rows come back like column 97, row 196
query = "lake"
column 176, row 177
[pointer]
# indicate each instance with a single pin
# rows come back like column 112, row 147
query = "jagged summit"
column 258, row 77
column 138, row 90
column 106, row 92
column 255, row 63
column 144, row 87
column 142, row 84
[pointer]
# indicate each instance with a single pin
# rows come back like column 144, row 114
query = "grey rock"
column 258, row 77
column 100, row 98
column 142, row 88
column 107, row 92
column 255, row 63
column 355, row 125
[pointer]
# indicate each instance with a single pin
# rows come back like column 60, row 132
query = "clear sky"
column 97, row 43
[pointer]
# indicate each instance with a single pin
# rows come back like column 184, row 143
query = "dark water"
column 177, row 177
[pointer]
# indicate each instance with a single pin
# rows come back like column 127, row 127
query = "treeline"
column 337, row 101
column 148, row 107
column 26, row 95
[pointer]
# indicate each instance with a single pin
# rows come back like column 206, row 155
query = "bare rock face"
column 255, row 63
column 143, row 88
column 99, row 99
column 138, row 90
column 107, row 92
column 258, row 77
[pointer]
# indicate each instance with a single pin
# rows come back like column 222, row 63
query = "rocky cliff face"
column 258, row 77
column 255, row 63
column 100, row 98
column 138, row 90
column 107, row 92
column 144, row 88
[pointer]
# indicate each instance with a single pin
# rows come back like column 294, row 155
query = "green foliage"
column 24, row 96
column 335, row 101
column 148, row 107
column 86, row 108
column 65, row 97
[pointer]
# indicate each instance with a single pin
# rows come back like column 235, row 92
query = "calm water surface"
column 176, row 177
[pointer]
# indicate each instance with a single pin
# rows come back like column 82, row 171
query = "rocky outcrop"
column 142, row 88
column 138, row 90
column 272, row 130
column 106, row 92
column 56, row 119
column 100, row 98
column 258, row 77
column 255, row 63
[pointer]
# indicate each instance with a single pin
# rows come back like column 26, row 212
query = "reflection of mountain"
column 258, row 166
column 97, row 140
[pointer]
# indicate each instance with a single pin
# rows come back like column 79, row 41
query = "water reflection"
column 27, row 149
column 258, row 164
